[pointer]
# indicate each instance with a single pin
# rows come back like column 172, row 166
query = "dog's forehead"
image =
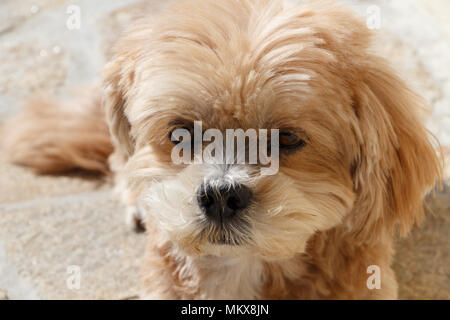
column 239, row 95
column 235, row 86
column 240, row 103
column 241, row 66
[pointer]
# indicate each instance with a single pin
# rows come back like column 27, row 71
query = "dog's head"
column 353, row 152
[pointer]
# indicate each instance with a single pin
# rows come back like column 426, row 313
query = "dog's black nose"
column 223, row 202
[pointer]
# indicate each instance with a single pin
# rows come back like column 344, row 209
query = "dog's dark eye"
column 173, row 138
column 290, row 141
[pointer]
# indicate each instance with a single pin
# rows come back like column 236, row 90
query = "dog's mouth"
column 236, row 233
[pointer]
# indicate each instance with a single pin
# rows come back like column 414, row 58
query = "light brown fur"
column 334, row 208
column 56, row 136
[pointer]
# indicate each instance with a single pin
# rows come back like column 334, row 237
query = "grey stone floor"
column 49, row 224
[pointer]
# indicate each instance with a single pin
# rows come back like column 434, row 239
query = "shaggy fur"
column 335, row 206
column 56, row 136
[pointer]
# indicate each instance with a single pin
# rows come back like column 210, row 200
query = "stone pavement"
column 48, row 223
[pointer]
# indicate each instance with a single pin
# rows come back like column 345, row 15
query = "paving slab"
column 44, row 247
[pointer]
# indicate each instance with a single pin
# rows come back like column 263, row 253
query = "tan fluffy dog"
column 358, row 163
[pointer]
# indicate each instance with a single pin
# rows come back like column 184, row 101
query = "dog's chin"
column 236, row 232
column 226, row 238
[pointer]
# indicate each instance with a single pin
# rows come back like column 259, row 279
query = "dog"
column 355, row 160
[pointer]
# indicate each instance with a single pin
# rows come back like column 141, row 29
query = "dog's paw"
column 135, row 219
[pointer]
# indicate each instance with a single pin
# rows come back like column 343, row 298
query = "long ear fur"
column 114, row 101
column 118, row 83
column 396, row 164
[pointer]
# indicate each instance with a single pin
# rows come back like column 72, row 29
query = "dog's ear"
column 117, row 81
column 396, row 164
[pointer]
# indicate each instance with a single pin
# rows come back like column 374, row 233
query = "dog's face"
column 253, row 65
column 214, row 207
